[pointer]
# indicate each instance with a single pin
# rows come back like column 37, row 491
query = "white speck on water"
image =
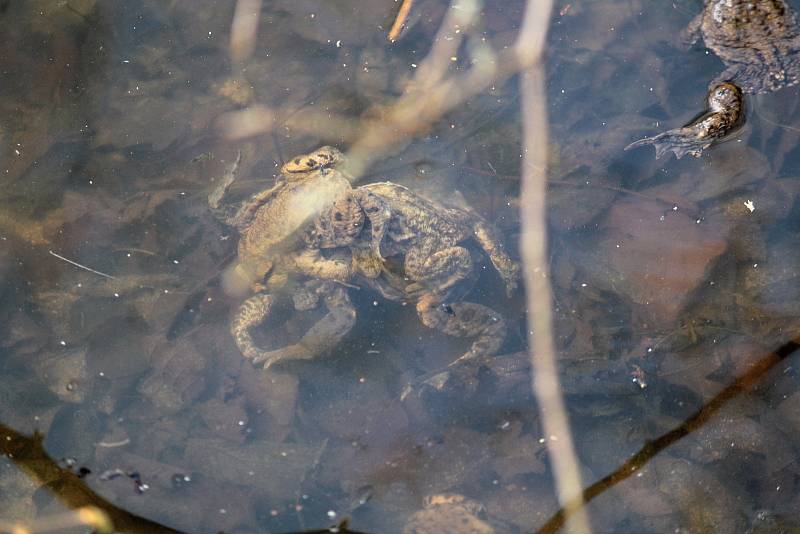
column 331, row 514
column 749, row 204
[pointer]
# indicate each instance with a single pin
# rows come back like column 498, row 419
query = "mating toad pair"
column 313, row 235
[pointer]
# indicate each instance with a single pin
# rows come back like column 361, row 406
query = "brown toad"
column 446, row 513
column 759, row 41
column 756, row 39
column 272, row 251
column 356, row 229
column 428, row 238
column 725, row 113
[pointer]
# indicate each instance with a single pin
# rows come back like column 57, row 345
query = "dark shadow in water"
column 741, row 385
column 29, row 456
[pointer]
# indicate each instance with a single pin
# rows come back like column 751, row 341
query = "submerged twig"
column 400, row 21
column 544, row 370
column 632, row 465
column 85, row 268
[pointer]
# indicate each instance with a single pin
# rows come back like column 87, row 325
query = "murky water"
column 672, row 278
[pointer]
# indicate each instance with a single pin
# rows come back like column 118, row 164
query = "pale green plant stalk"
column 544, row 370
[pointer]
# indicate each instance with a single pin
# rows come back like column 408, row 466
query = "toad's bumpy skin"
column 437, row 269
column 451, row 513
column 756, row 39
column 724, row 115
column 250, row 313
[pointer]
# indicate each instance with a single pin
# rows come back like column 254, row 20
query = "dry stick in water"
column 743, row 384
column 545, row 381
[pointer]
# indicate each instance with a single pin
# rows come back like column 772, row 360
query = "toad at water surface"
column 725, row 113
column 756, row 39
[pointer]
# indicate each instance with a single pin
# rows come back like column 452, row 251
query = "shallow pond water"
column 676, row 282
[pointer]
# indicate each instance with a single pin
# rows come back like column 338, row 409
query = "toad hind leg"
column 250, row 313
column 323, row 336
column 438, row 271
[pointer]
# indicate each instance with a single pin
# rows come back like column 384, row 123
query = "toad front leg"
column 461, row 319
column 465, row 319
column 490, row 241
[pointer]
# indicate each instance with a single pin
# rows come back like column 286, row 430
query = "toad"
column 356, row 230
column 758, row 40
column 725, row 113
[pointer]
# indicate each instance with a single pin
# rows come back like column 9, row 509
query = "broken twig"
column 76, row 264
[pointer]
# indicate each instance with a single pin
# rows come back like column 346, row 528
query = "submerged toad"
column 428, row 238
column 453, row 513
column 346, row 240
column 756, row 39
column 272, row 252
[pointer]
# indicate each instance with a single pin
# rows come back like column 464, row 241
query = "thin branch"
column 632, row 465
column 544, row 370
column 400, row 21
column 244, row 29
column 76, row 264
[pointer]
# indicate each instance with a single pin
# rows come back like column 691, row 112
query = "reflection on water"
column 671, row 277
